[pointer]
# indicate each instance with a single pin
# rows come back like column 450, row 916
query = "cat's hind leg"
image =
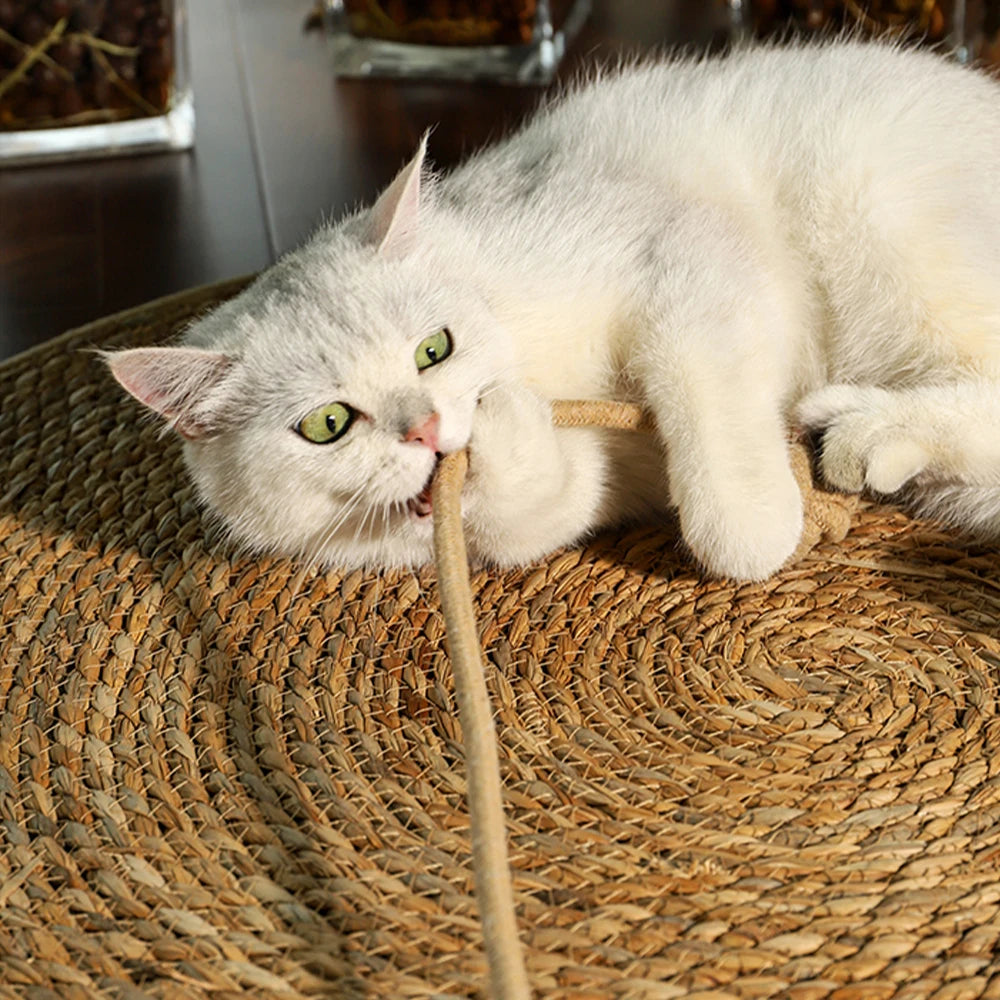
column 940, row 443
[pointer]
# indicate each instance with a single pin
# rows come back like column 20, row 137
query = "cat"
column 780, row 239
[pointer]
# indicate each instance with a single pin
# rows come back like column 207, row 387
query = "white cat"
column 781, row 238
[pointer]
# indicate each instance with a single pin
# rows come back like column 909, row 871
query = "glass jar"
column 968, row 28
column 980, row 33
column 514, row 40
column 92, row 77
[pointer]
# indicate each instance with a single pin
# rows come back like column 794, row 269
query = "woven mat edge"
column 211, row 292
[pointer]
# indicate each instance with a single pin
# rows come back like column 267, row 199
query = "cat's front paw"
column 513, row 442
column 530, row 488
column 865, row 441
column 745, row 535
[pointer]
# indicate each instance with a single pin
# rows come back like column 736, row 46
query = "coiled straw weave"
column 221, row 777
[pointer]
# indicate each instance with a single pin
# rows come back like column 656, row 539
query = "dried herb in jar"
column 80, row 62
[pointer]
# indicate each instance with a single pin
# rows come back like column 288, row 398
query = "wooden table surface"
column 281, row 143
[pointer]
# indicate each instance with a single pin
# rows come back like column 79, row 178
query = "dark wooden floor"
column 280, row 144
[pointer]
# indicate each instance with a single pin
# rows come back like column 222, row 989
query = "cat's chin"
column 421, row 505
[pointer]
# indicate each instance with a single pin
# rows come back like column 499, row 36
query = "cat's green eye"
column 326, row 423
column 433, row 350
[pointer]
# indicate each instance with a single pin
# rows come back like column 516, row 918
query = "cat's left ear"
column 190, row 387
column 393, row 219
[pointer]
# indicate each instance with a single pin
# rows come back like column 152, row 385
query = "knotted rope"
column 827, row 517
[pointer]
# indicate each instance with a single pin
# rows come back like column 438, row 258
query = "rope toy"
column 827, row 518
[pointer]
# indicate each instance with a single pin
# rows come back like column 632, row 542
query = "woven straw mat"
column 221, row 777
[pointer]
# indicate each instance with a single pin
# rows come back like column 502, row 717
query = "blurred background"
column 281, row 141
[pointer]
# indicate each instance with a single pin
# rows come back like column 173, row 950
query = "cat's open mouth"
column 421, row 505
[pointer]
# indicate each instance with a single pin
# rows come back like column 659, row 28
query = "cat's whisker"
column 488, row 391
column 350, row 508
column 370, row 519
column 383, row 519
column 331, row 530
column 369, row 512
column 499, row 377
column 310, row 559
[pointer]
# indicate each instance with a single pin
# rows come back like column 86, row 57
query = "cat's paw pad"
column 864, row 441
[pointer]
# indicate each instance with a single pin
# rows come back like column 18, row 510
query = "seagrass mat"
column 221, row 778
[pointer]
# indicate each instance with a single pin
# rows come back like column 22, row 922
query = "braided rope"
column 494, row 892
column 827, row 517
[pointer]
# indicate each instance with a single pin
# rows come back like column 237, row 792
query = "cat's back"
column 759, row 114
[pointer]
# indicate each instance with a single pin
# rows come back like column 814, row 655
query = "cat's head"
column 315, row 405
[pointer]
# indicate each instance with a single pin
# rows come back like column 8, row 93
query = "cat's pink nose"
column 425, row 432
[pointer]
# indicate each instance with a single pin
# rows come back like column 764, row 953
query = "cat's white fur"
column 784, row 237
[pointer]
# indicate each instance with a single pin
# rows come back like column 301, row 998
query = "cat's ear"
column 186, row 385
column 393, row 219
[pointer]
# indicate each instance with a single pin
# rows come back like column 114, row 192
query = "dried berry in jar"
column 77, row 62
column 928, row 20
column 968, row 28
column 449, row 22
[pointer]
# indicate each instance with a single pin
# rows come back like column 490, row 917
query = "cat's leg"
column 729, row 475
column 720, row 346
column 531, row 487
column 940, row 442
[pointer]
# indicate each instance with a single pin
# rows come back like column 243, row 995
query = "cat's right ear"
column 393, row 219
column 186, row 385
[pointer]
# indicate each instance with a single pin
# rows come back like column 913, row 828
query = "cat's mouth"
column 421, row 505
